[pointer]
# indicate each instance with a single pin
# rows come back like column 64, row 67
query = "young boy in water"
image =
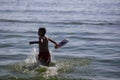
column 44, row 55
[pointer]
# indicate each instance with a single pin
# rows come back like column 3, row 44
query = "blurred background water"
column 92, row 27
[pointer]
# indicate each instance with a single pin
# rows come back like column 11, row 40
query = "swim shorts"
column 44, row 58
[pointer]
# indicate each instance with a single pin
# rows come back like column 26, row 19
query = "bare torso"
column 43, row 44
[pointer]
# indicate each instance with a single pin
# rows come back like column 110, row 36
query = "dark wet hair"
column 43, row 30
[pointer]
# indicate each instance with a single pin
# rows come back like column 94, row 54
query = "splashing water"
column 33, row 57
column 65, row 66
column 30, row 67
column 27, row 64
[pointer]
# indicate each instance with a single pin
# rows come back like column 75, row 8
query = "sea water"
column 92, row 27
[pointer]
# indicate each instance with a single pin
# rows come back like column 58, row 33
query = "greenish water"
column 60, row 70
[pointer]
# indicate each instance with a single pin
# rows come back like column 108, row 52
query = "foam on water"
column 65, row 67
column 33, row 57
column 30, row 67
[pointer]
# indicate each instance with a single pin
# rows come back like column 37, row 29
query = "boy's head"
column 41, row 32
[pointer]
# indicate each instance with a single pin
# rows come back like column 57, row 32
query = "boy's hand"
column 56, row 46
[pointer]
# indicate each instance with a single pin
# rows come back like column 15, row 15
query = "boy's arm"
column 56, row 44
column 33, row 42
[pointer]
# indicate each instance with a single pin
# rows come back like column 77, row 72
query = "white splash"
column 52, row 71
column 33, row 57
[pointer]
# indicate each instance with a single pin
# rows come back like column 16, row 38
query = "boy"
column 44, row 56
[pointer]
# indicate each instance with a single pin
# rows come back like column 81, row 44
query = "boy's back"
column 43, row 44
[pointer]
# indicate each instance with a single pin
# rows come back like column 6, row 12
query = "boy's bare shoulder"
column 47, row 37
